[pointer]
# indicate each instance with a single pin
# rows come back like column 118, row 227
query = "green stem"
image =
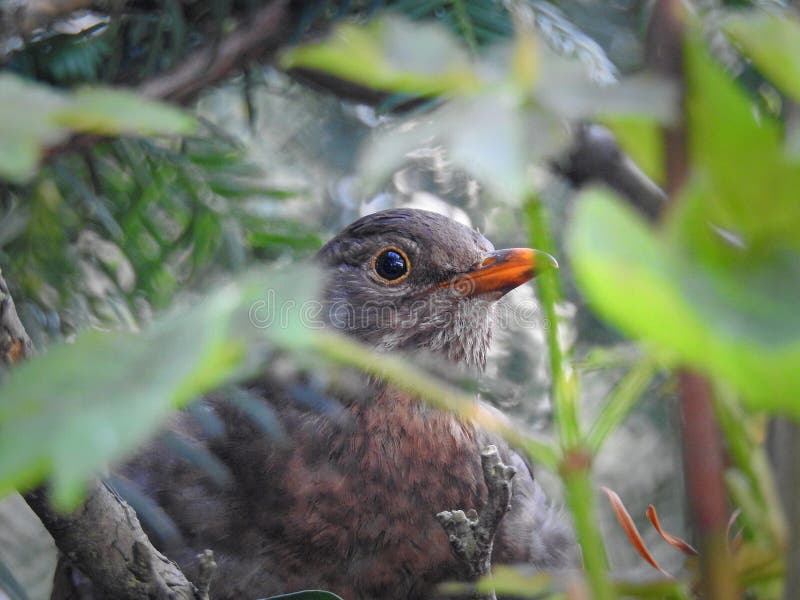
column 620, row 402
column 580, row 501
column 565, row 409
column 575, row 467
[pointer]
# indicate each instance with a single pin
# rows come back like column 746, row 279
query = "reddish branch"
column 702, row 441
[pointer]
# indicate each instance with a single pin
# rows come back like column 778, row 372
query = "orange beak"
column 502, row 271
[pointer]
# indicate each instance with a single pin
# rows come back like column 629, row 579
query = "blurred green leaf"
column 379, row 55
column 752, row 183
column 24, row 127
column 516, row 582
column 34, row 116
column 504, row 580
column 306, row 595
column 565, row 87
column 111, row 111
column 735, row 320
column 9, row 584
column 641, row 139
column 72, row 411
column 772, row 42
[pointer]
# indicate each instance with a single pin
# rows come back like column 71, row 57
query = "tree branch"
column 106, row 542
column 702, row 441
column 471, row 534
column 263, row 31
column 595, row 155
column 103, row 538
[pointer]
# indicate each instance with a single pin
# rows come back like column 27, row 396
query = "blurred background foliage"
column 117, row 208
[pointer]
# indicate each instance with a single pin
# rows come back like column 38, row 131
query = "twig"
column 262, row 31
column 104, row 538
column 471, row 534
column 595, row 155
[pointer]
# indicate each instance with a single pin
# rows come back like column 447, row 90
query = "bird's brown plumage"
column 347, row 502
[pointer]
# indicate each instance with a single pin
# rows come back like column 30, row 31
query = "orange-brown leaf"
column 629, row 527
column 672, row 540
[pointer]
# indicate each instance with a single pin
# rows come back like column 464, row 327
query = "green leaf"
column 736, row 320
column 752, row 183
column 641, row 139
column 564, row 87
column 9, row 584
column 306, row 595
column 110, row 111
column 79, row 407
column 504, row 580
column 379, row 55
column 24, row 128
column 34, row 116
column 772, row 41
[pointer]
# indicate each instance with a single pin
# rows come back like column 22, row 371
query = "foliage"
column 724, row 269
column 516, row 97
column 34, row 116
column 101, row 235
column 71, row 434
column 307, row 595
column 714, row 287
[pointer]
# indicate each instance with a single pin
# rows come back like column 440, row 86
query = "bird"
column 347, row 500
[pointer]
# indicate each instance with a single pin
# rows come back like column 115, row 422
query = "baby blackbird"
column 348, row 504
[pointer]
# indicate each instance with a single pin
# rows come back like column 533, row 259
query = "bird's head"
column 411, row 279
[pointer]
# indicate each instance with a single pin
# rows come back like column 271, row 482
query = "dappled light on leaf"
column 378, row 55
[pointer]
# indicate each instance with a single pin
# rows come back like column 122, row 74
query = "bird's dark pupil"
column 391, row 265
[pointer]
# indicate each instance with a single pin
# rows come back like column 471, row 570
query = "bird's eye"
column 391, row 265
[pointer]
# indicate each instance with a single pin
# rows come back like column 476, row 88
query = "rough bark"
column 106, row 542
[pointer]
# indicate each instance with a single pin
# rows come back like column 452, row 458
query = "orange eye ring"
column 383, row 255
